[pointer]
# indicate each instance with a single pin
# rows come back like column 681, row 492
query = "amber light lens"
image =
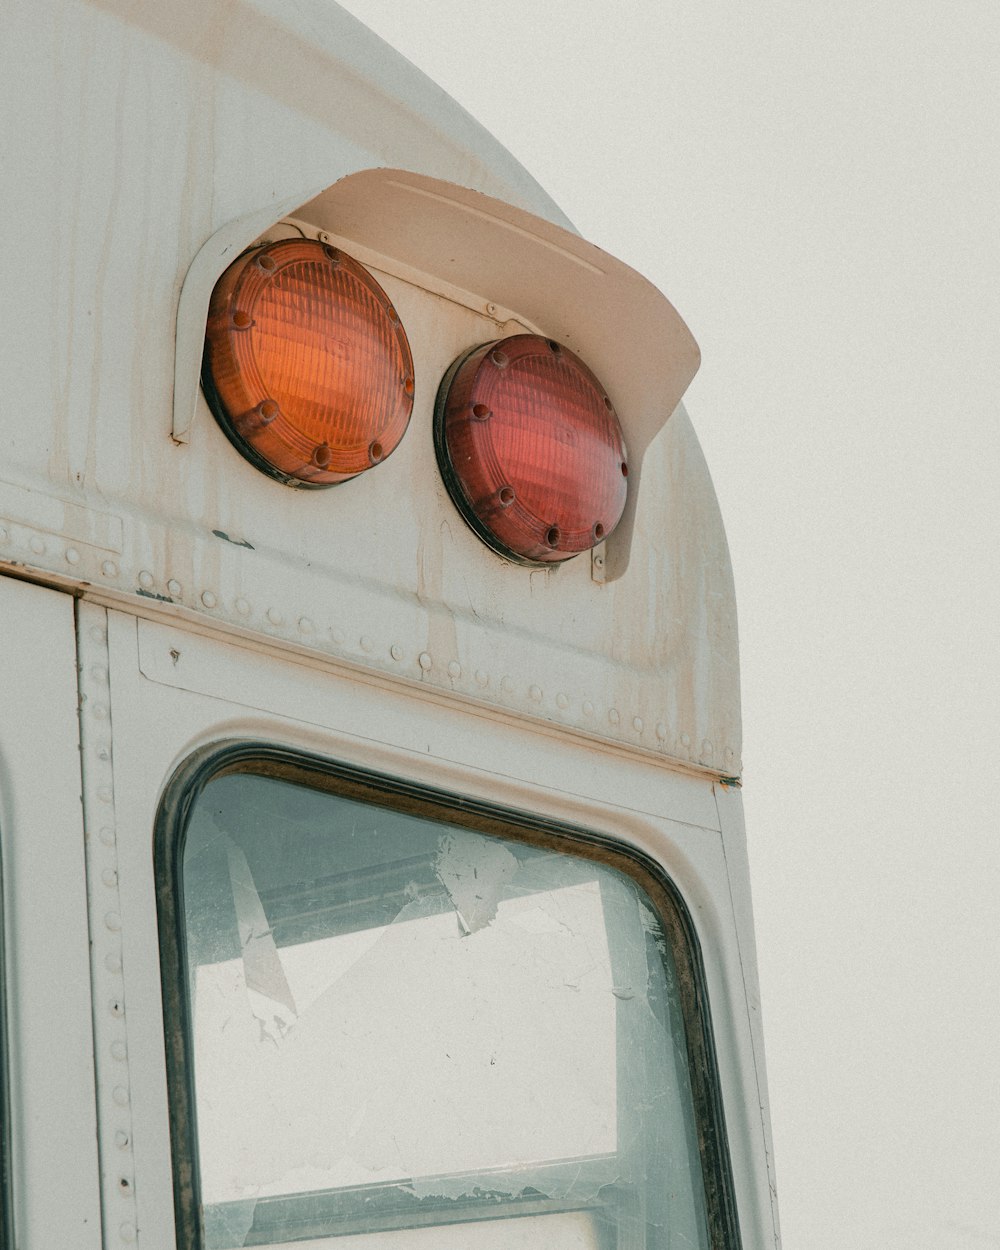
column 531, row 449
column 307, row 367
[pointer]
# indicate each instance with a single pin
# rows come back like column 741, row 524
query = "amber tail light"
column 307, row 366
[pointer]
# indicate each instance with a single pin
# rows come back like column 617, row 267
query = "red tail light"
column 307, row 367
column 531, row 449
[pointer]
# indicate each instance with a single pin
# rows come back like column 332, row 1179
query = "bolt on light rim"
column 531, row 449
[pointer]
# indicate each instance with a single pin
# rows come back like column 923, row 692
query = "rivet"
column 614, row 716
column 242, row 607
column 121, row 1139
column 454, row 669
column 109, row 568
column 535, row 693
column 174, row 587
column 661, row 731
column 366, row 643
column 125, row 1185
column 98, row 634
column 482, row 677
column 506, row 685
column 105, row 794
column 305, row 625
column 146, row 579
column 588, row 708
column 100, row 711
column 113, row 921
column 685, row 740
column 104, row 752
column 730, row 755
column 562, row 701
column 491, row 309
column 113, row 962
column 208, row 599
column 120, row 1095
column 396, row 651
column 127, row 1232
column 119, row 1051
column 637, row 724
column 117, row 1008
column 72, row 555
column 275, row 616
column 707, row 749
column 107, row 835
column 38, row 545
column 424, row 660
column 109, row 877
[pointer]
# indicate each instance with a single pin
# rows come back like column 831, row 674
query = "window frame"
column 6, row 1144
column 267, row 759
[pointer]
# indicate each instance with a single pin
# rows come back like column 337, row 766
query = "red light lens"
column 531, row 449
column 307, row 367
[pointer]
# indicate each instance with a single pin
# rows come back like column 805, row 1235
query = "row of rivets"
column 110, row 1032
column 562, row 700
column 38, row 544
column 454, row 669
column 426, row 663
column 275, row 617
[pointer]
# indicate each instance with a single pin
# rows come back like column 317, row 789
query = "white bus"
column 370, row 828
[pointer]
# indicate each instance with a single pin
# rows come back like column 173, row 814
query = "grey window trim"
column 286, row 764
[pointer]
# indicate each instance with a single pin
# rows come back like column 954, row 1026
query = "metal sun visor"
column 599, row 307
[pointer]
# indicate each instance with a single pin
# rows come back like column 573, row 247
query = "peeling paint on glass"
column 405, row 1033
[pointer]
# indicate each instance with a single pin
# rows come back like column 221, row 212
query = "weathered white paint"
column 365, row 623
column 183, row 149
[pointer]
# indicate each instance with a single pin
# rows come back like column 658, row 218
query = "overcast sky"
column 815, row 187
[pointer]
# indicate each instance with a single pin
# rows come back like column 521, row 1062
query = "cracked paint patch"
column 476, row 872
column 271, row 999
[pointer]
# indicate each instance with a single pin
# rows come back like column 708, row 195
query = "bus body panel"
column 52, row 1134
column 202, row 603
column 163, row 152
column 177, row 691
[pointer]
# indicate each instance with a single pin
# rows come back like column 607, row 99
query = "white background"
column 815, row 186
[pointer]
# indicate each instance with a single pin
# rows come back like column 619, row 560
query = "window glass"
column 404, row 1033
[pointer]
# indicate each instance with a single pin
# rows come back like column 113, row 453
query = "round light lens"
column 307, row 367
column 531, row 449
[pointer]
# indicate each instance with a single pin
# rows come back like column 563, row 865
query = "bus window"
column 402, row 1027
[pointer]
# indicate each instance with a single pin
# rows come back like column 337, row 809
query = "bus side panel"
column 46, row 978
